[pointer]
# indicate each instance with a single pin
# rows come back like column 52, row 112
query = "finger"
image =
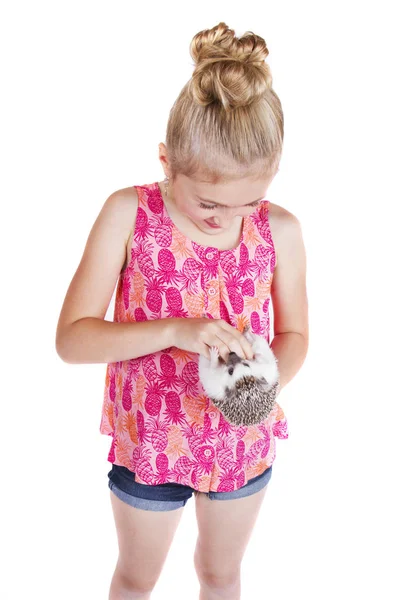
column 231, row 343
column 223, row 349
column 205, row 351
column 220, row 344
column 246, row 348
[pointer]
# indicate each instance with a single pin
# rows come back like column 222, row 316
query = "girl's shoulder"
column 129, row 202
column 128, row 198
column 284, row 225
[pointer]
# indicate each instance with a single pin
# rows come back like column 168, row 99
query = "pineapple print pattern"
column 163, row 426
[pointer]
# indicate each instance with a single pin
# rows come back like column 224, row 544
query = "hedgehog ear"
column 268, row 387
column 264, row 383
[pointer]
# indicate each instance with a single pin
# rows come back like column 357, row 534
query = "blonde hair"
column 227, row 121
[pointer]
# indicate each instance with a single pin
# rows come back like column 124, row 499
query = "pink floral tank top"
column 164, row 427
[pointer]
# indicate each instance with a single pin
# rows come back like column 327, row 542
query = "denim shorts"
column 170, row 496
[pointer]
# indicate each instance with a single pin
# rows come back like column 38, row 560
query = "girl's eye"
column 208, row 207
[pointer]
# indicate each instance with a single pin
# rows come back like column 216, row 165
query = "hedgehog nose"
column 233, row 358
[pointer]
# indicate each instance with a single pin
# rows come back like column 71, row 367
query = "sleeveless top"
column 164, row 427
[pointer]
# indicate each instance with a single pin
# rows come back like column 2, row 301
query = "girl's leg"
column 144, row 539
column 225, row 528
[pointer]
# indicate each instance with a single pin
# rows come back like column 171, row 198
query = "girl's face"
column 214, row 208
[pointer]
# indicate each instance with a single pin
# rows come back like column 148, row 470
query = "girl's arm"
column 93, row 340
column 82, row 334
column 289, row 298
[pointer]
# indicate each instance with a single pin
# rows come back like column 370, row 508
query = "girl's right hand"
column 200, row 334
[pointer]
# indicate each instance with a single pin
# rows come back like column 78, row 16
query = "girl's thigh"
column 144, row 539
column 225, row 529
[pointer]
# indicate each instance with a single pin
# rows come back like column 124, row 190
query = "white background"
column 86, row 92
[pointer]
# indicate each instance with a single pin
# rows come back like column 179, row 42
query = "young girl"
column 197, row 257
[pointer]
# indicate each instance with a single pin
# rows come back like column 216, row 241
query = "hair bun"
column 229, row 69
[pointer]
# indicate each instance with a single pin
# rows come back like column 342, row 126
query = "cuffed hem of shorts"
column 145, row 503
column 244, row 491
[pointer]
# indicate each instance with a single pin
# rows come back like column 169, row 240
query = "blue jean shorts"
column 170, row 496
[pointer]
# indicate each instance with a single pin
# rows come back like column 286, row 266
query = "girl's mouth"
column 211, row 224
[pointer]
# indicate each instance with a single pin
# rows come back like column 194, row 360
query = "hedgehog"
column 243, row 390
